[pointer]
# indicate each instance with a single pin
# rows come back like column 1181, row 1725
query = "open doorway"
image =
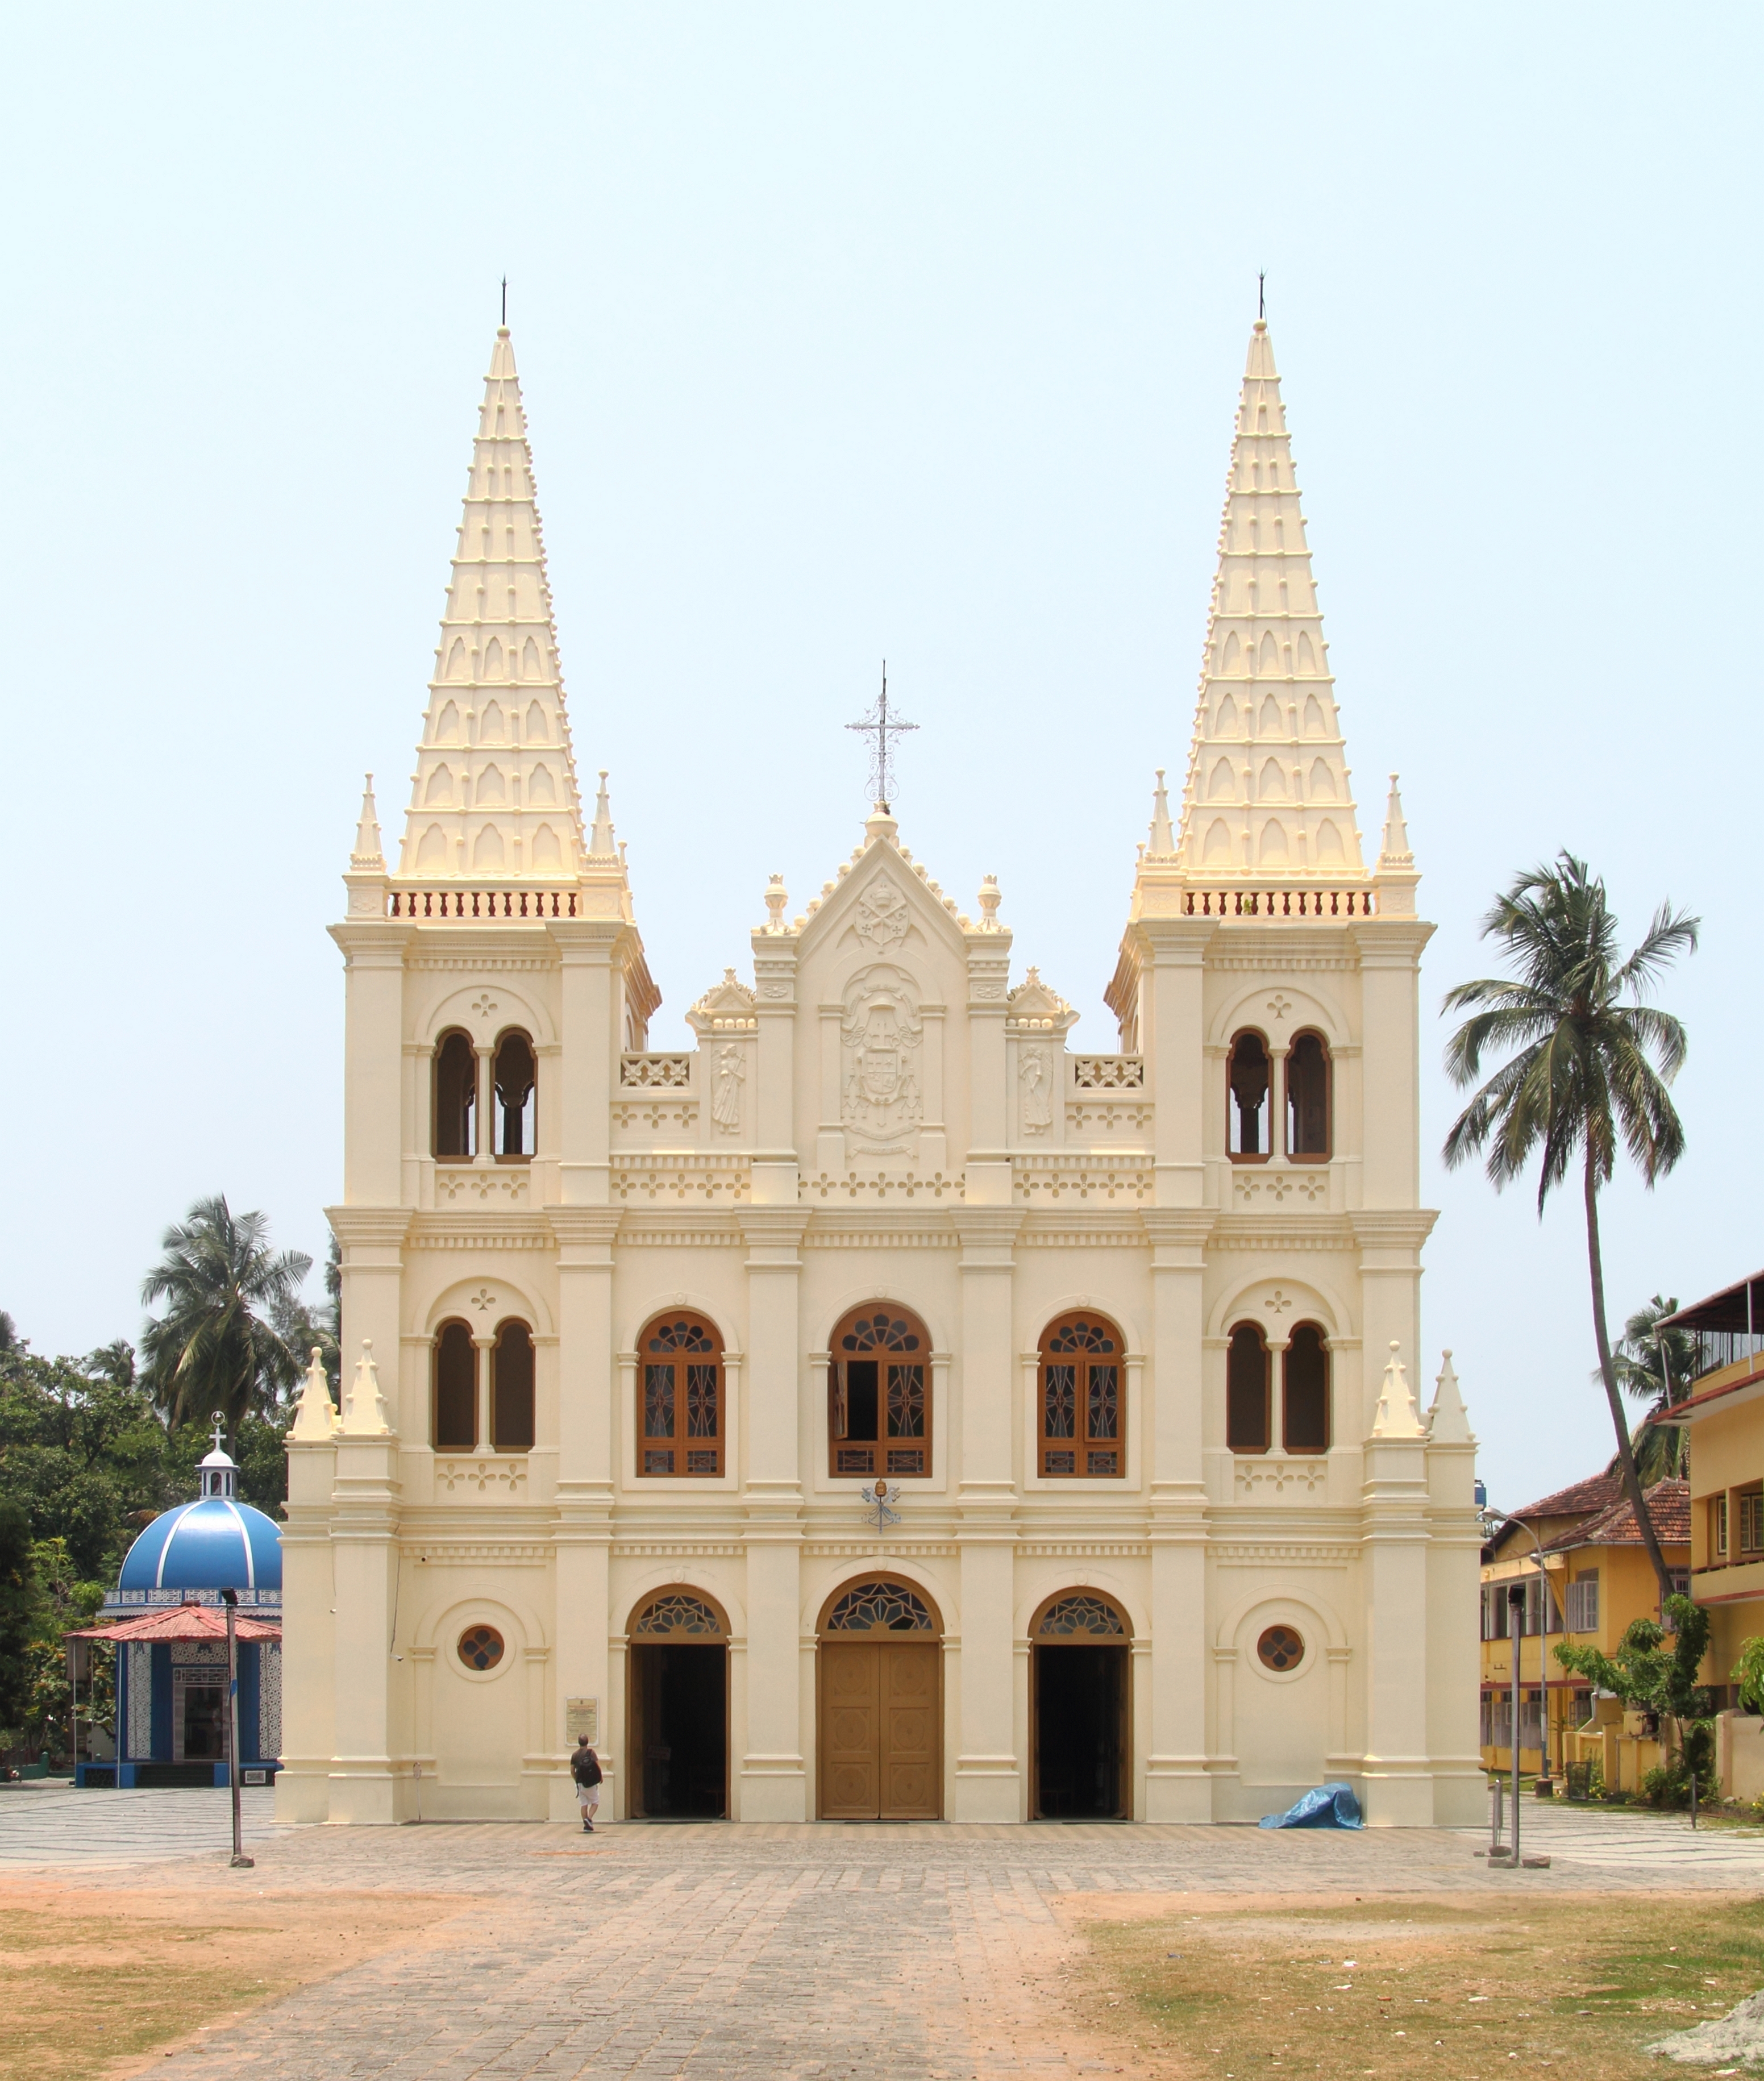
column 679, row 1695
column 1080, row 1702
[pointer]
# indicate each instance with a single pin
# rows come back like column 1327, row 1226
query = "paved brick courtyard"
column 910, row 1952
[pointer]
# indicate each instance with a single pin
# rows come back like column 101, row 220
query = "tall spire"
column 1268, row 793
column 493, row 798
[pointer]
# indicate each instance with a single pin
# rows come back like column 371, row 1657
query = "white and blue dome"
column 191, row 1554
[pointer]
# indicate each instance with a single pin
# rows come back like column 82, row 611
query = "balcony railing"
column 1279, row 903
column 432, row 904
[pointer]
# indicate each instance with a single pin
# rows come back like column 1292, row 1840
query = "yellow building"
column 1600, row 1580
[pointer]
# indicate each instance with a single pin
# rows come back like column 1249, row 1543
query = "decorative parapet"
column 1040, row 1180
column 1108, row 1073
column 507, row 1185
column 654, row 1072
column 1305, row 1187
column 728, row 1007
column 702, row 1180
column 430, row 906
column 655, row 1114
column 1278, row 903
column 1263, row 1477
column 879, row 1185
column 491, row 1474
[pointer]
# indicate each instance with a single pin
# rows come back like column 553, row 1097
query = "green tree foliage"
column 1655, row 1368
column 1653, row 1670
column 18, row 1604
column 1581, row 1076
column 1748, row 1672
column 232, row 1335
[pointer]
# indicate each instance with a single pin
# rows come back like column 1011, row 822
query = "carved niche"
column 882, row 1097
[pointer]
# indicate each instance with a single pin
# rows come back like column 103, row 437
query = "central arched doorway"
column 1078, row 1707
column 881, row 1704
column 678, row 1689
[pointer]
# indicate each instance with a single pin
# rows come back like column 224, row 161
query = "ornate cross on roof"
column 879, row 725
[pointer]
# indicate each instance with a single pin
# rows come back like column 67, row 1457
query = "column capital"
column 356, row 1227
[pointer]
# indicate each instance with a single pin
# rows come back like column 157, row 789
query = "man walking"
column 585, row 1768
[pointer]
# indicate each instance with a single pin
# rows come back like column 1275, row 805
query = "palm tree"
column 220, row 1343
column 1656, row 1366
column 1583, row 1073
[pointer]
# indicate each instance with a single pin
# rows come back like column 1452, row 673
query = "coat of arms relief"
column 882, row 916
column 881, row 1096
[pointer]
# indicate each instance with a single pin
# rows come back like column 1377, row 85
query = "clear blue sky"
column 848, row 331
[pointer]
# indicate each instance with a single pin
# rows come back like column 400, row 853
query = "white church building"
column 878, row 1409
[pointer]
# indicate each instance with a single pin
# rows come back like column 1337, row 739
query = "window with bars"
column 1718, row 1527
column 1083, row 1419
column 680, row 1388
column 878, row 1398
column 1752, row 1521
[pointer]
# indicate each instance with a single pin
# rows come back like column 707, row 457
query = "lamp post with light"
column 1492, row 1518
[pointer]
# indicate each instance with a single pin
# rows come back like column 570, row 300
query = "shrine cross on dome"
column 880, row 726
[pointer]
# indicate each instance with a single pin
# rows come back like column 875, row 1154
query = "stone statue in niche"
column 725, row 1097
column 883, row 917
column 1035, row 1106
column 881, row 1100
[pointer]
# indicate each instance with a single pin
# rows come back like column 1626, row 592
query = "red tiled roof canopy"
column 182, row 1622
column 1669, row 1505
column 1597, row 1492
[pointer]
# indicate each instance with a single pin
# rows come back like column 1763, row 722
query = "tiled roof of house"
column 1669, row 1505
column 1597, row 1492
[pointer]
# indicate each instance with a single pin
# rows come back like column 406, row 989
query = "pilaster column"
column 1393, row 1538
column 1178, row 1786
column 775, row 1161
column 373, row 1060
column 772, row 1780
column 364, row 1549
column 583, row 1538
column 988, row 1777
column 309, row 1599
column 588, row 1000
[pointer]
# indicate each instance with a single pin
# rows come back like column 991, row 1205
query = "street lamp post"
column 1516, row 1605
column 231, row 1599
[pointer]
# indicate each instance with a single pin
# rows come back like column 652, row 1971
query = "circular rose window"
column 1281, row 1648
column 481, row 1647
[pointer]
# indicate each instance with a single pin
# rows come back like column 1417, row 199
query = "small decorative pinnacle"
column 366, row 1414
column 989, row 904
column 1162, row 840
column 1394, row 852
column 317, row 1416
column 367, row 858
column 602, row 844
column 1448, row 1421
column 776, row 895
column 1397, row 1415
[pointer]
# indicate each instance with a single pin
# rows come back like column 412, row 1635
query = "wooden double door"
column 881, row 1726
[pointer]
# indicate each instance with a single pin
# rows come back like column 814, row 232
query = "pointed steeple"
column 367, row 858
column 602, row 844
column 317, row 1417
column 1162, row 843
column 1448, row 1421
column 364, row 1415
column 1397, row 1415
column 493, row 798
column 1268, row 794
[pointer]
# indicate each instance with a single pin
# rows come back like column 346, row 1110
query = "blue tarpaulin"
column 1329, row 1807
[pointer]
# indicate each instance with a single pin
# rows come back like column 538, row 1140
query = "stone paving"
column 730, row 1953
column 50, row 1823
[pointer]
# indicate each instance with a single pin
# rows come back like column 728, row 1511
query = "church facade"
column 880, row 1408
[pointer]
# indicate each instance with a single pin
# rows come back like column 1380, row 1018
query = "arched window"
column 1084, row 1418
column 878, row 1398
column 680, row 1385
column 1307, row 1099
column 455, row 1097
column 455, row 1390
column 1305, row 1391
column 510, row 1388
column 515, row 1079
column 1246, row 1103
column 1246, row 1390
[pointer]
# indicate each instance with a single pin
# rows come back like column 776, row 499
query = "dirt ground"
column 1471, row 1990
column 99, row 1983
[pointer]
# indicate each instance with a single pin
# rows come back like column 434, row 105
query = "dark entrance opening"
column 679, row 1737
column 1081, row 1732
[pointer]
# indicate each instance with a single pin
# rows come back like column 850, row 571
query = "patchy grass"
column 1466, row 1990
column 95, row 1980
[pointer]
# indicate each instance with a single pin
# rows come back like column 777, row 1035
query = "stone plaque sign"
column 582, row 1719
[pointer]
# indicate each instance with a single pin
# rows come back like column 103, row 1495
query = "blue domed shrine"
column 166, row 1618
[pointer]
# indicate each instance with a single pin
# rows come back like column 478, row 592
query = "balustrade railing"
column 1279, row 903
column 644, row 1073
column 466, row 904
column 1108, row 1073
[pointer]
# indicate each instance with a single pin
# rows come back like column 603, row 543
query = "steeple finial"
column 1261, row 298
column 1397, row 1414
column 1268, row 794
column 316, row 1418
column 1394, row 851
column 1162, row 842
column 602, row 845
column 365, row 1416
column 1448, row 1421
column 367, row 858
column 495, row 796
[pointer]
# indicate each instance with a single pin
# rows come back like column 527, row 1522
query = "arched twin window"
column 879, row 1393
column 679, row 1416
column 1304, row 1397
column 462, row 1415
column 1082, row 1385
column 511, row 1098
column 1249, row 1079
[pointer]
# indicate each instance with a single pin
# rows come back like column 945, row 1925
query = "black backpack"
column 585, row 1767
